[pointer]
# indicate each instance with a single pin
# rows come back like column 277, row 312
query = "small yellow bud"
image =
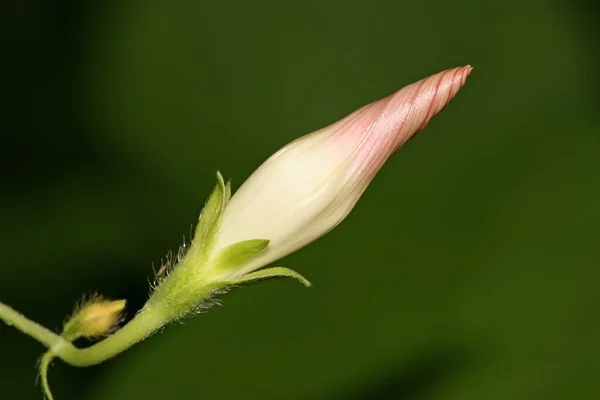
column 95, row 318
column 99, row 318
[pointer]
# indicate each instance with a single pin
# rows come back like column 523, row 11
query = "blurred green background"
column 468, row 270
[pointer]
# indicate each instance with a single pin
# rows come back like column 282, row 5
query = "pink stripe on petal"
column 384, row 126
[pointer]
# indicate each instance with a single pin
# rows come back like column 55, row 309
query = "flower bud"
column 309, row 186
column 94, row 318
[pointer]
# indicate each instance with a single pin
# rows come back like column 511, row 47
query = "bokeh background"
column 468, row 270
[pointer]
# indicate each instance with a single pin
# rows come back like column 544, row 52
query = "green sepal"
column 270, row 273
column 210, row 217
column 227, row 192
column 71, row 329
column 237, row 254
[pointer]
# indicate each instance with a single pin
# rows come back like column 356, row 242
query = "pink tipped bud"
column 309, row 186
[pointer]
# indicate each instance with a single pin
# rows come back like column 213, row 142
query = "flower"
column 309, row 186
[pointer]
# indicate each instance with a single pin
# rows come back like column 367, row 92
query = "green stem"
column 33, row 329
column 44, row 364
column 146, row 322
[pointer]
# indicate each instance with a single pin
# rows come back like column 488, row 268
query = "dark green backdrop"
column 468, row 270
